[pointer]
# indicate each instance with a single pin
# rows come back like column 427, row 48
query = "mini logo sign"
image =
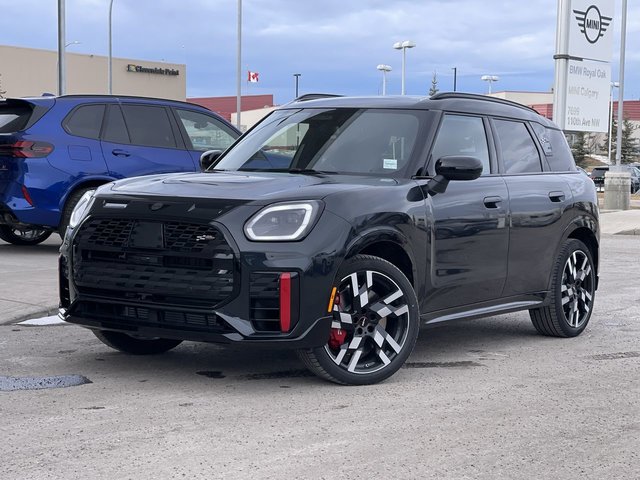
column 592, row 23
column 155, row 70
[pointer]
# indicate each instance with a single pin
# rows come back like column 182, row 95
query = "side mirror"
column 208, row 158
column 454, row 168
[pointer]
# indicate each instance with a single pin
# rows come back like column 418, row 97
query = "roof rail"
column 134, row 97
column 475, row 96
column 315, row 96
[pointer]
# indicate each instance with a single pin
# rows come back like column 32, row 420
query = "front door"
column 469, row 234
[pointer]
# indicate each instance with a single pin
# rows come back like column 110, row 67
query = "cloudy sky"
column 334, row 44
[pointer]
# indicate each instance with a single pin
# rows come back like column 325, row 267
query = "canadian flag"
column 252, row 77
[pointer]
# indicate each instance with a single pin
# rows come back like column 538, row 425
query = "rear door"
column 142, row 140
column 470, row 235
column 538, row 199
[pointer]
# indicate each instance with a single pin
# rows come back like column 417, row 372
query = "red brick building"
column 225, row 106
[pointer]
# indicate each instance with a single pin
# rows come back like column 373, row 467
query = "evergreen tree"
column 579, row 148
column 629, row 149
column 434, row 85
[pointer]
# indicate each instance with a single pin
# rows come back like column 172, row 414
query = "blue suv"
column 54, row 149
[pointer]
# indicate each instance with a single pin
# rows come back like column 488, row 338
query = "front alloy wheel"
column 374, row 328
column 572, row 293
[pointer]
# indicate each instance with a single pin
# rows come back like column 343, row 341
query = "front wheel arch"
column 390, row 246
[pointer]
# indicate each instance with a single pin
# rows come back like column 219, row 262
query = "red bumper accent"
column 285, row 302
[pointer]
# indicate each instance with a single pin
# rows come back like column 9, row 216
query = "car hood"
column 255, row 187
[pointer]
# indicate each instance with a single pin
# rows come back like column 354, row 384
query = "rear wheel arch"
column 72, row 197
column 586, row 236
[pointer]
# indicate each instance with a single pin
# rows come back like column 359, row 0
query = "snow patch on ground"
column 44, row 321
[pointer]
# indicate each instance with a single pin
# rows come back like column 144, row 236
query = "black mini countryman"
column 337, row 226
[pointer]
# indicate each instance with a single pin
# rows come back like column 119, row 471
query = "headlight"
column 283, row 222
column 81, row 209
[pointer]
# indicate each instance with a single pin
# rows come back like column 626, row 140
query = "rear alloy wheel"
column 572, row 293
column 133, row 345
column 20, row 236
column 375, row 325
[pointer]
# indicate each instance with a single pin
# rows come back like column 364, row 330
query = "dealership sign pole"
column 584, row 46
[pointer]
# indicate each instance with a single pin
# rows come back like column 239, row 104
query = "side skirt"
column 488, row 309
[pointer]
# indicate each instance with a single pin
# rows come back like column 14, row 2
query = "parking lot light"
column 403, row 46
column 490, row 79
column 384, row 69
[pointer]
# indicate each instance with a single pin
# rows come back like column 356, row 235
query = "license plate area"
column 147, row 235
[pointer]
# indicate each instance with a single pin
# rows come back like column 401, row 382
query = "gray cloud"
column 335, row 44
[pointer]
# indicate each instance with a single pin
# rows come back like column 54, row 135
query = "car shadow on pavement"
column 453, row 344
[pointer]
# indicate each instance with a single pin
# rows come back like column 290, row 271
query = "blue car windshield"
column 341, row 140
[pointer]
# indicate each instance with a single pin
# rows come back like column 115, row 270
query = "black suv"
column 337, row 227
column 597, row 175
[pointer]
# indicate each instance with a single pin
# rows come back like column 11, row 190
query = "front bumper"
column 250, row 313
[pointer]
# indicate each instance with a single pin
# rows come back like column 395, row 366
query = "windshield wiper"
column 311, row 171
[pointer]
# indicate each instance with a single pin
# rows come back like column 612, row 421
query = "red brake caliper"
column 337, row 335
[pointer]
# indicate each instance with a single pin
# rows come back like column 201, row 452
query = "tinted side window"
column 555, row 147
column 85, row 121
column 149, row 126
column 115, row 129
column 461, row 135
column 206, row 132
column 519, row 152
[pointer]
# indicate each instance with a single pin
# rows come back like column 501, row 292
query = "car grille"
column 264, row 301
column 175, row 263
column 127, row 317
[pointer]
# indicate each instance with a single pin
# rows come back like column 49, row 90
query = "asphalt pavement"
column 481, row 399
column 29, row 285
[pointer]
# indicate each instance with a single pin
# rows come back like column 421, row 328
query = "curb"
column 38, row 312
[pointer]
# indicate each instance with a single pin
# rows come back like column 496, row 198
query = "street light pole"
column 62, row 64
column 239, row 68
column 109, row 61
column 403, row 46
column 623, row 38
column 490, row 79
column 384, row 69
column 455, row 77
column 297, row 75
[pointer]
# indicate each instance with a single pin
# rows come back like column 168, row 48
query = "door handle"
column 492, row 202
column 120, row 153
column 556, row 196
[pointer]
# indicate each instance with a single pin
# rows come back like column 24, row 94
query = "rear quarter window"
column 85, row 121
column 555, row 147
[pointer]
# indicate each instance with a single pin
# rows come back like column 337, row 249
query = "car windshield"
column 344, row 140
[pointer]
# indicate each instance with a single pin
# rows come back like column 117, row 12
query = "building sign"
column 583, row 69
column 155, row 70
column 588, row 89
column 591, row 29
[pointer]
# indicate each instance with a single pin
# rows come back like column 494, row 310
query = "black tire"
column 72, row 201
column 18, row 236
column 135, row 346
column 572, row 293
column 373, row 331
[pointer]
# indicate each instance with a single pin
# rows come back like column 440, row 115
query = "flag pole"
column 239, row 68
